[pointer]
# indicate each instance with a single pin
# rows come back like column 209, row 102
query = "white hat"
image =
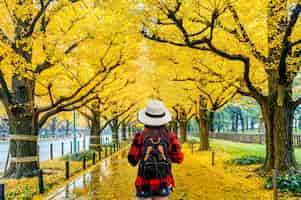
column 154, row 114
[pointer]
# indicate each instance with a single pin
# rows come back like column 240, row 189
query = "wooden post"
column 51, row 151
column 212, row 158
column 99, row 155
column 67, row 170
column 62, row 148
column 275, row 192
column 84, row 163
column 106, row 151
column 41, row 182
column 192, row 148
column 94, row 158
column 2, row 191
column 114, row 146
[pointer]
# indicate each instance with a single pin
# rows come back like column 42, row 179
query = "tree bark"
column 23, row 120
column 95, row 133
column 124, row 136
column 183, row 131
column 204, row 121
column 278, row 120
column 115, row 127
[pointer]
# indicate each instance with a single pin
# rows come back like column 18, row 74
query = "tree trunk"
column 115, row 127
column 53, row 126
column 95, row 141
column 67, row 127
column 183, row 126
column 123, row 132
column 23, row 128
column 204, row 122
column 278, row 119
column 242, row 122
column 174, row 127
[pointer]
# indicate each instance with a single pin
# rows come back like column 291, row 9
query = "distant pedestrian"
column 154, row 148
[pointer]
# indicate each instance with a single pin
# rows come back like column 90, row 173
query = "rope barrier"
column 95, row 136
column 31, row 138
column 24, row 159
column 95, row 145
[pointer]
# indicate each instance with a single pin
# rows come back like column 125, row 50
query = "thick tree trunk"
column 95, row 141
column 205, row 119
column 23, row 128
column 278, row 119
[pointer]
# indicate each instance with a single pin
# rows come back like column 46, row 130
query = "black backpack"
column 155, row 161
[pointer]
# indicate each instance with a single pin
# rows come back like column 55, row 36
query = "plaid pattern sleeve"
column 175, row 151
column 135, row 150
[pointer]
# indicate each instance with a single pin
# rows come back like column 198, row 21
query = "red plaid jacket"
column 135, row 153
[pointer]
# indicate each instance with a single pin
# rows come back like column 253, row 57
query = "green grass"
column 241, row 149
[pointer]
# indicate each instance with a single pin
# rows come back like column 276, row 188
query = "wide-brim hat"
column 154, row 114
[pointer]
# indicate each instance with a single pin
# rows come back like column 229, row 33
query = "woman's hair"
column 157, row 131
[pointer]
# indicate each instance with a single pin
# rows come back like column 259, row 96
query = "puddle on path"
column 100, row 183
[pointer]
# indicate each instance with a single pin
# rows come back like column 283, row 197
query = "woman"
column 154, row 148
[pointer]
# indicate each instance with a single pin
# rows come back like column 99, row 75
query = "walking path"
column 195, row 178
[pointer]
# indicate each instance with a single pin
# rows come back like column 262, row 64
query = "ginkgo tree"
column 53, row 54
column 190, row 89
column 95, row 110
column 264, row 43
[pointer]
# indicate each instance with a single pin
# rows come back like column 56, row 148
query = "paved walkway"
column 196, row 179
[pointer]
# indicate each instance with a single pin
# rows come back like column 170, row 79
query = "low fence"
column 250, row 138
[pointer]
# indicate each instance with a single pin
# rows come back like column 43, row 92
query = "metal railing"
column 250, row 138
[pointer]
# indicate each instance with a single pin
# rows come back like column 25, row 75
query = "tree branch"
column 257, row 54
column 62, row 108
column 286, row 45
column 5, row 39
column 5, row 94
column 38, row 16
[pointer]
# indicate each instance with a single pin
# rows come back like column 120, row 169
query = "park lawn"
column 54, row 177
column 237, row 149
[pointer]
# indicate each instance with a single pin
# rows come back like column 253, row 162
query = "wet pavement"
column 109, row 179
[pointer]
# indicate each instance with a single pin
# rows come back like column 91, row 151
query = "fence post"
column 84, row 163
column 94, row 158
column 275, row 192
column 62, row 148
column 41, row 182
column 67, row 165
column 51, row 151
column 212, row 158
column 99, row 154
column 2, row 191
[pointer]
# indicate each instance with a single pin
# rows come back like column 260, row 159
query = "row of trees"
column 56, row 57
column 257, row 55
